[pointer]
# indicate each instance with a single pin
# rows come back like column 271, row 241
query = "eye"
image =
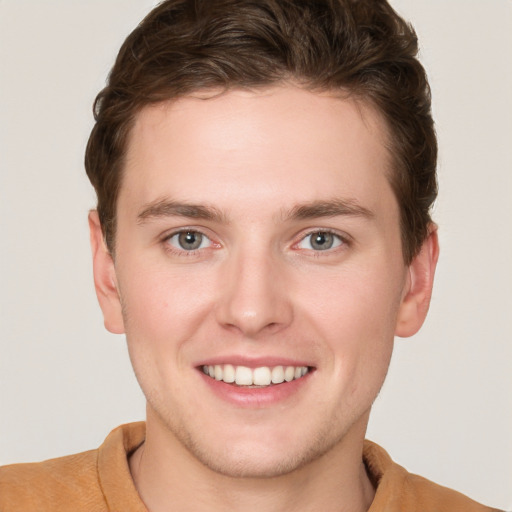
column 320, row 241
column 189, row 240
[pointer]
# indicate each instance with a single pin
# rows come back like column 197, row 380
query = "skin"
column 258, row 289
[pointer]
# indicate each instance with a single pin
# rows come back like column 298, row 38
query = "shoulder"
column 92, row 481
column 398, row 490
column 52, row 485
column 438, row 498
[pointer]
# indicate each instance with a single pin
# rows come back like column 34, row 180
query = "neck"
column 168, row 477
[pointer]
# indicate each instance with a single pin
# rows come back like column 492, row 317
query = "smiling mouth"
column 262, row 376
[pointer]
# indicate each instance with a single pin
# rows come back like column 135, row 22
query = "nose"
column 254, row 297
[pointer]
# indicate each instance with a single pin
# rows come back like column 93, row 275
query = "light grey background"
column 445, row 411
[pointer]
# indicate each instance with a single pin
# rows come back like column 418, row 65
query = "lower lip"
column 245, row 396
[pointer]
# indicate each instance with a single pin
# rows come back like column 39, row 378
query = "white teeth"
column 289, row 373
column 229, row 373
column 278, row 375
column 261, row 376
column 243, row 376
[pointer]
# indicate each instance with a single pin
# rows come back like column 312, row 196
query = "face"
column 258, row 274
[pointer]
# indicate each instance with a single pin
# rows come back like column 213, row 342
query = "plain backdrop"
column 446, row 409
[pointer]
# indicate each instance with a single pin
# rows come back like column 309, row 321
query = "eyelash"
column 183, row 252
column 344, row 241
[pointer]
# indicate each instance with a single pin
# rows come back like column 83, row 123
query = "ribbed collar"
column 113, row 470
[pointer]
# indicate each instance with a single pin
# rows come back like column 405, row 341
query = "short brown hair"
column 360, row 47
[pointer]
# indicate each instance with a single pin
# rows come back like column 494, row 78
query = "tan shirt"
column 100, row 481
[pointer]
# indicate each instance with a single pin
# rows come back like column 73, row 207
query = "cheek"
column 354, row 303
column 162, row 305
column 162, row 311
column 355, row 313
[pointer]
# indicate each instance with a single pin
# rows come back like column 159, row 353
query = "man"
column 264, row 173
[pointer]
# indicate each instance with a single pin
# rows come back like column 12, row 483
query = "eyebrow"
column 169, row 208
column 315, row 209
column 329, row 208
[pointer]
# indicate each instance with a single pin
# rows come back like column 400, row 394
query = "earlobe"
column 105, row 278
column 418, row 289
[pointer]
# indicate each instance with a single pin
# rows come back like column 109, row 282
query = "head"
column 358, row 49
column 264, row 173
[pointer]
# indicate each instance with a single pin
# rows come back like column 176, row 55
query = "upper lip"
column 253, row 362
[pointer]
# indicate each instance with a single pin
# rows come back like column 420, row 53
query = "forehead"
column 257, row 144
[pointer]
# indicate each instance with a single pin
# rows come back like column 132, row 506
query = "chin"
column 257, row 464
column 258, row 459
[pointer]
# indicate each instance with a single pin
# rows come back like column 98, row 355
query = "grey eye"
column 320, row 241
column 189, row 240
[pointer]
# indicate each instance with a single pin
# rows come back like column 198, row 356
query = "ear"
column 418, row 288
column 105, row 280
